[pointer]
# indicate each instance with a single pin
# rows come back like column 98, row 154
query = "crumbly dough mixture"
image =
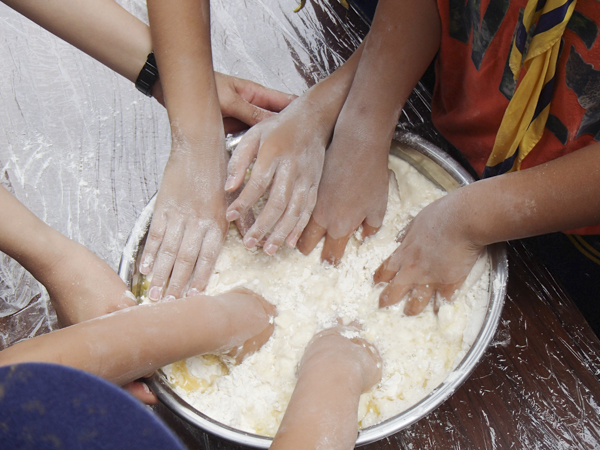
column 418, row 352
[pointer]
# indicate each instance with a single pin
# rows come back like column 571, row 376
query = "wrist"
column 468, row 219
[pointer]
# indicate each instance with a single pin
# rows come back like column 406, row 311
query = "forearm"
column 323, row 410
column 403, row 41
column 131, row 343
column 181, row 36
column 328, row 96
column 100, row 28
column 559, row 195
column 26, row 238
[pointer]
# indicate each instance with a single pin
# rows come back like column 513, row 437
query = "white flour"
column 418, row 352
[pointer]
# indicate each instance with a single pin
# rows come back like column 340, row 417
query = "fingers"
column 262, row 97
column 299, row 207
column 418, row 299
column 388, row 269
column 257, row 185
column 246, row 220
column 333, row 249
column 368, row 230
column 310, row 237
column 211, row 247
column 246, row 112
column 140, row 390
column 184, row 263
column 153, row 241
column 303, row 220
column 392, row 294
column 165, row 260
column 240, row 160
column 278, row 201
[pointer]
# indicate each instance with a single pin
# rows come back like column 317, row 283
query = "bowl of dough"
column 425, row 357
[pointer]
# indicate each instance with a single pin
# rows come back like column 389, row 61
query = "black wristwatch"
column 148, row 76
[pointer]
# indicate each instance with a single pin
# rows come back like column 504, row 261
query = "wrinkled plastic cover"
column 85, row 151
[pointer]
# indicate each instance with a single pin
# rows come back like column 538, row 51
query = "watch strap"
column 148, row 76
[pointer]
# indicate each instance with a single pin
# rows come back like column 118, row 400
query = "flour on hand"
column 418, row 352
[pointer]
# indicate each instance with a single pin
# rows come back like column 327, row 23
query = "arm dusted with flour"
column 445, row 239
column 126, row 345
column 353, row 191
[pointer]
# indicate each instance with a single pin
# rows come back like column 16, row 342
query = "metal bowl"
column 447, row 174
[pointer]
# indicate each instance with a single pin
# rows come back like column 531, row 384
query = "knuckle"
column 186, row 259
column 168, row 252
column 258, row 182
column 155, row 235
column 277, row 204
column 206, row 260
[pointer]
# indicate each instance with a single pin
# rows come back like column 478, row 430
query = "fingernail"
column 291, row 242
column 229, row 184
column 169, row 298
column 250, row 242
column 192, row 292
column 270, row 249
column 146, row 388
column 232, row 215
column 385, row 299
column 154, row 293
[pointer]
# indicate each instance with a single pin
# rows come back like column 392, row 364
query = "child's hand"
column 434, row 258
column 255, row 342
column 289, row 151
column 82, row 286
column 188, row 226
column 353, row 192
column 245, row 103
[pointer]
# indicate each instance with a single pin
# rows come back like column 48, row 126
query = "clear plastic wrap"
column 85, row 151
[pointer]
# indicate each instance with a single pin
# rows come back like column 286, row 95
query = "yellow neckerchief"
column 525, row 117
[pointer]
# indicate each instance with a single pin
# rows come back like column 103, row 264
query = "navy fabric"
column 366, row 7
column 47, row 406
column 578, row 275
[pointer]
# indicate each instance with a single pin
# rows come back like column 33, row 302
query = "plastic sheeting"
column 85, row 151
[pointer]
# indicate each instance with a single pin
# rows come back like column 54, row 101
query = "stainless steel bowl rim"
column 498, row 258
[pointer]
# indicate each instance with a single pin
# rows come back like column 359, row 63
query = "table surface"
column 85, row 151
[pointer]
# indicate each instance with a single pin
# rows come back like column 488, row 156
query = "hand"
column 188, row 226
column 289, row 150
column 245, row 103
column 81, row 286
column 433, row 260
column 353, row 192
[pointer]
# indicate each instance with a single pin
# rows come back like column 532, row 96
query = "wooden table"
column 82, row 149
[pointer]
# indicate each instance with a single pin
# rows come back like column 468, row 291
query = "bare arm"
column 401, row 44
column 110, row 34
column 559, row 195
column 188, row 226
column 445, row 239
column 131, row 343
column 100, row 28
column 81, row 285
column 332, row 375
column 289, row 151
